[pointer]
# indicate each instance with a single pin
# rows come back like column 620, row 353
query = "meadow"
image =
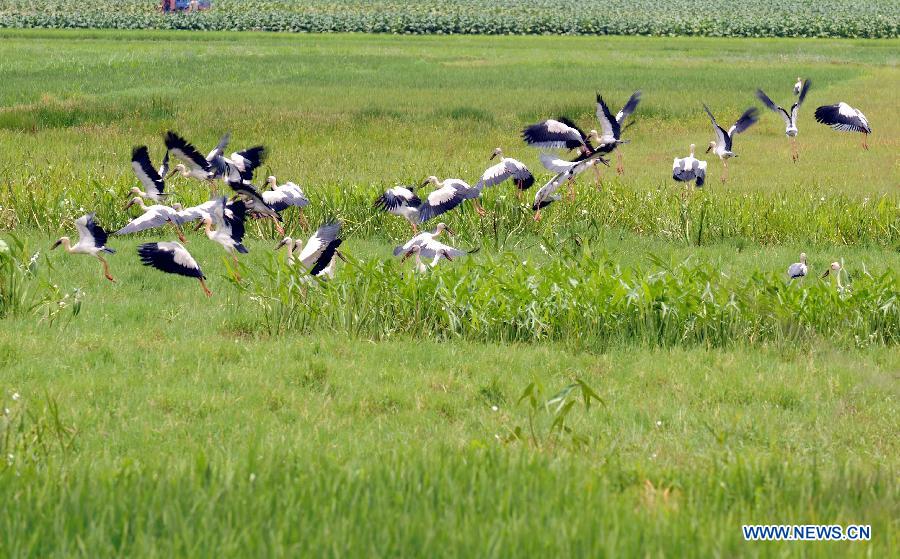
column 694, row 388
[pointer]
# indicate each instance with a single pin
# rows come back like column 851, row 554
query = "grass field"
column 155, row 422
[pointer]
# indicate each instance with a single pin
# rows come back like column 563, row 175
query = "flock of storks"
column 223, row 218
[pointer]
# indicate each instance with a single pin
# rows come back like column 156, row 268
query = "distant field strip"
column 712, row 18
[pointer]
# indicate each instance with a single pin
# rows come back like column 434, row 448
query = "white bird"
column 426, row 245
column 239, row 165
column 401, row 201
column 835, row 268
column 790, row 119
column 560, row 133
column 253, row 198
column 465, row 190
column 721, row 146
column 199, row 212
column 798, row 87
column 151, row 179
column 566, row 171
column 611, row 126
column 91, row 240
column 687, row 169
column 229, row 231
column 845, row 118
column 282, row 197
column 798, row 269
column 172, row 258
column 156, row 215
column 423, row 237
column 319, row 254
column 193, row 164
column 507, row 168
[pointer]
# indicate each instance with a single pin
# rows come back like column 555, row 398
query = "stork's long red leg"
column 278, row 225
column 620, row 168
column 866, row 141
column 106, row 268
column 205, row 289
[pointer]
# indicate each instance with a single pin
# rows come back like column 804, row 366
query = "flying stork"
column 193, row 164
column 151, row 178
column 465, row 190
column 282, row 197
column 790, row 119
column 687, row 169
column 404, row 202
column 432, row 249
column 845, row 118
column 611, row 127
column 566, row 171
column 507, row 168
column 152, row 216
column 91, row 240
column 229, row 231
column 562, row 133
column 721, row 146
column 172, row 258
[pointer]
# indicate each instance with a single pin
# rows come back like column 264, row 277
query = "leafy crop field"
column 631, row 376
column 712, row 18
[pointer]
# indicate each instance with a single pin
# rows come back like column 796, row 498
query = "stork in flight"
column 318, row 256
column 151, row 178
column 565, row 171
column 721, row 146
column 91, row 240
column 844, row 118
column 507, row 168
column 611, row 127
column 172, row 258
column 228, row 218
column 152, row 216
column 790, row 118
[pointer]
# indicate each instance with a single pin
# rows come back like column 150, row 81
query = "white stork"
column 253, row 198
column 465, row 190
column 689, row 169
column 229, row 231
column 152, row 216
column 319, row 254
column 433, row 249
column 835, row 269
column 566, row 171
column 611, row 126
column 282, row 197
column 172, row 258
column 560, row 133
column 240, row 165
column 798, row 87
column 798, row 269
column 845, row 118
column 200, row 212
column 151, row 179
column 507, row 168
column 790, row 119
column 401, row 201
column 91, row 240
column 193, row 164
column 404, row 202
column 721, row 146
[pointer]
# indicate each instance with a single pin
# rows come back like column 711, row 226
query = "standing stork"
column 507, row 168
column 152, row 216
column 798, row 269
column 319, row 254
column 835, row 268
column 566, row 171
column 790, row 119
column 172, row 258
column 91, row 240
column 229, row 231
column 689, row 169
column 844, row 118
column 721, row 146
column 151, row 179
column 611, row 127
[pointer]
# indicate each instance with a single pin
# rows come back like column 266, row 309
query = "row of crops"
column 712, row 18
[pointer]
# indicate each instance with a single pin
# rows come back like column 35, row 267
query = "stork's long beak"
column 708, row 148
column 172, row 172
column 341, row 255
column 407, row 255
column 56, row 244
column 423, row 184
column 129, row 204
column 493, row 155
column 280, row 244
column 449, row 231
column 828, row 271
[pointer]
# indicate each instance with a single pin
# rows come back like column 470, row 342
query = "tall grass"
column 584, row 302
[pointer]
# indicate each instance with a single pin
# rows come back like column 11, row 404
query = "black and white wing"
column 170, row 257
column 546, row 194
column 397, row 197
column 246, row 161
column 432, row 248
column 220, row 147
column 321, row 248
column 89, row 231
column 164, row 168
column 234, row 216
column 255, row 199
column 150, row 179
column 285, row 196
column 746, row 120
column 843, row 117
column 200, row 211
column 556, row 164
column 440, row 201
column 506, row 169
column 186, row 152
column 803, row 92
column 147, row 220
column 609, row 126
column 721, row 134
column 629, row 107
column 554, row 134
column 761, row 95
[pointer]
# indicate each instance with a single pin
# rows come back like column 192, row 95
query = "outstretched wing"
column 747, row 120
column 629, row 107
column 170, row 257
column 150, row 179
column 761, row 95
column 560, row 133
column 440, row 201
column 397, row 197
column 185, row 152
column 721, row 135
column 609, row 126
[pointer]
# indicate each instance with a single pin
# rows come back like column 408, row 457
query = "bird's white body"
column 91, row 241
column 798, row 269
column 689, row 168
column 798, row 86
column 283, row 196
column 153, row 216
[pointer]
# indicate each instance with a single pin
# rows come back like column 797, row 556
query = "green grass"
column 156, row 422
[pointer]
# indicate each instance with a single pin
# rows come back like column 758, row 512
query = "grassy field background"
column 156, row 422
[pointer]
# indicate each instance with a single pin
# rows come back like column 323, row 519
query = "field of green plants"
column 632, row 376
column 712, row 18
